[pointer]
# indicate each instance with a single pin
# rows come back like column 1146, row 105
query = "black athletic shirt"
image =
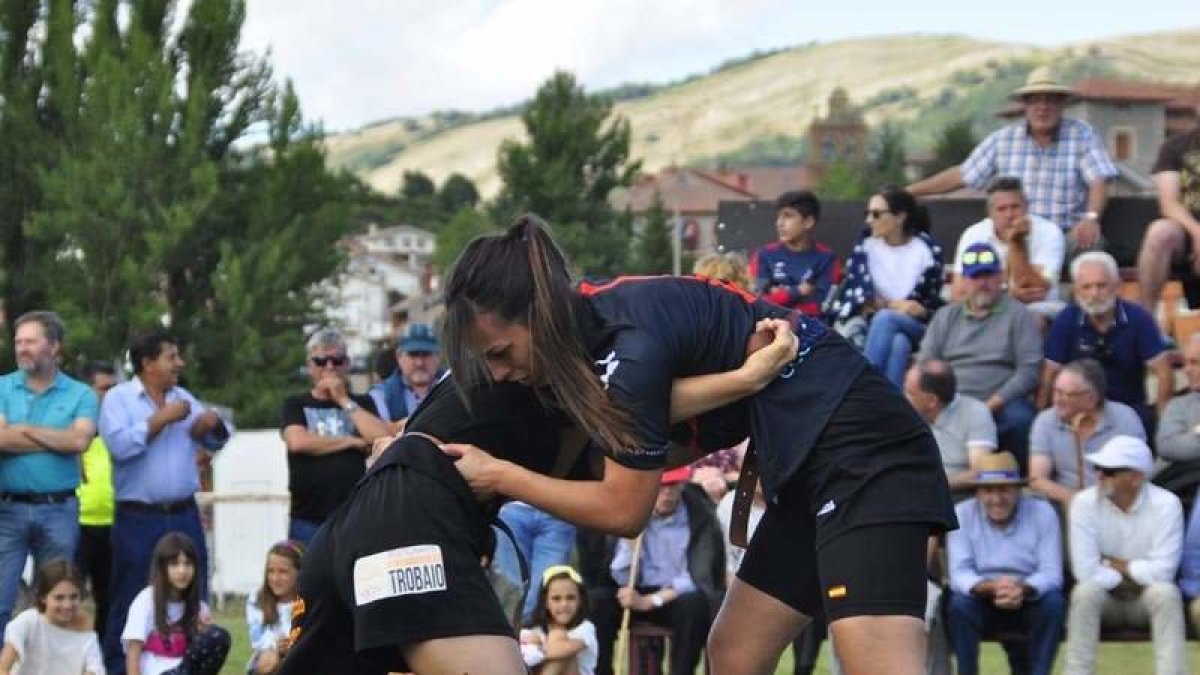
column 644, row 332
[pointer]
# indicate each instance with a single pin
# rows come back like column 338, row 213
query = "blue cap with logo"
column 418, row 337
column 980, row 258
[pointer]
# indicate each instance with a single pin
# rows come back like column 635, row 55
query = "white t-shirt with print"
column 1047, row 248
column 896, row 270
column 45, row 649
column 139, row 625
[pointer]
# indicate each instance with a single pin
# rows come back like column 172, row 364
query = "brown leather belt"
column 743, row 498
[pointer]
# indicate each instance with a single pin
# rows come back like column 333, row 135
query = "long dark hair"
column 267, row 600
column 522, row 277
column 167, row 550
column 900, row 201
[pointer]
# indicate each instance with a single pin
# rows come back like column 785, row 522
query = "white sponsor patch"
column 827, row 508
column 401, row 571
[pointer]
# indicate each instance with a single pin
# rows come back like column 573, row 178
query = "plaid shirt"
column 1056, row 178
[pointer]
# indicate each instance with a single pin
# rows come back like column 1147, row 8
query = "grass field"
column 1115, row 658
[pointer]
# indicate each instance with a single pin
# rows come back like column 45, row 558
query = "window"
column 1122, row 144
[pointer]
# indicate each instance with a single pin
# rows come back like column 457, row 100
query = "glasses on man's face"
column 1044, row 99
column 979, row 257
column 1078, row 393
column 1109, row 472
column 875, row 214
column 335, row 361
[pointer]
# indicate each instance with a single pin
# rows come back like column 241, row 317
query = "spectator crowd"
column 1030, row 369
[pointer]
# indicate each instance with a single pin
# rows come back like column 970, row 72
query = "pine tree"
column 576, row 154
column 887, row 157
column 654, row 248
column 953, row 145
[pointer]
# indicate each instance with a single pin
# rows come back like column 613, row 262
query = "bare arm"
column 1041, row 468
column 369, row 426
column 8, row 659
column 1046, row 389
column 559, row 646
column 1170, row 202
column 939, row 183
column 133, row 657
column 1164, row 377
column 70, row 441
column 301, row 441
column 619, row 504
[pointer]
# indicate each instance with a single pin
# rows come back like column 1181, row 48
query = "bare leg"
column 1163, row 242
column 751, row 631
column 873, row 645
column 467, row 655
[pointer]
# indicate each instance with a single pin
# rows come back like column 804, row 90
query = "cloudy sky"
column 355, row 61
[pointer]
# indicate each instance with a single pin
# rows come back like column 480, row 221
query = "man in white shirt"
column 1031, row 248
column 1126, row 541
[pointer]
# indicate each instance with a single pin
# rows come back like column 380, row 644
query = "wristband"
column 350, row 406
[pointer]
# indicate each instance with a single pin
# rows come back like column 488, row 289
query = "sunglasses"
column 978, row 257
column 874, row 214
column 1110, row 472
column 335, row 361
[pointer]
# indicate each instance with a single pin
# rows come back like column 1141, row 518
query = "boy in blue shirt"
column 796, row 271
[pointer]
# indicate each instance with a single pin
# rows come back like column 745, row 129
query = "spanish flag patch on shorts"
column 837, row 592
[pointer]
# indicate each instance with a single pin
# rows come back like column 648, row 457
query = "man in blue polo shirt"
column 1121, row 335
column 46, row 420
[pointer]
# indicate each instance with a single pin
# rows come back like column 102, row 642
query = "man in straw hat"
column 1005, row 569
column 1061, row 162
column 1126, row 538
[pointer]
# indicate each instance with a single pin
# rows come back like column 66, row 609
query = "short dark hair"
column 936, row 377
column 149, row 346
column 803, row 201
column 94, row 368
column 52, row 325
column 1006, row 184
column 1091, row 372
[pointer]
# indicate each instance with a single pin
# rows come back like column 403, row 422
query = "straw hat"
column 998, row 468
column 1043, row 80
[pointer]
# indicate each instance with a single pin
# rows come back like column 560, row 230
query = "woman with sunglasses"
column 893, row 283
column 852, row 476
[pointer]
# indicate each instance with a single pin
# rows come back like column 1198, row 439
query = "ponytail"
column 522, row 277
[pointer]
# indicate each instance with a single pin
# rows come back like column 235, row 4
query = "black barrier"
column 745, row 226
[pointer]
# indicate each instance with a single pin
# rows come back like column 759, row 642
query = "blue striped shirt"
column 1028, row 548
column 1056, row 178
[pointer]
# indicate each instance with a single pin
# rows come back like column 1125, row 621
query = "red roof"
column 699, row 191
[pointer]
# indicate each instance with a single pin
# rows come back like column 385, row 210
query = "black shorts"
column 846, row 535
column 397, row 564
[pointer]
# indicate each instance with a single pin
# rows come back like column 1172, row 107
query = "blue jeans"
column 544, row 541
column 1013, row 423
column 47, row 531
column 134, row 535
column 302, row 530
column 891, row 337
column 1041, row 619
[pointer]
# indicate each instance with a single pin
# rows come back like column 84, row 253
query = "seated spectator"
column 1178, row 437
column 1126, row 537
column 1121, row 335
column 1030, row 247
column 893, row 283
column 1189, row 566
column 269, row 612
column 681, row 575
column 1080, row 423
column 993, row 344
column 54, row 636
column 328, row 433
column 962, row 426
column 1006, row 569
column 560, row 638
column 1173, row 241
column 797, row 271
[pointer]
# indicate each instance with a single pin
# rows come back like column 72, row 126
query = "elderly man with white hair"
column 1121, row 335
column 1126, row 539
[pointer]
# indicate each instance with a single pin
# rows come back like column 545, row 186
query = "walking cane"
column 622, row 650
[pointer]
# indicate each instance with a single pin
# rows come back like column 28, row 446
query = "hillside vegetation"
column 757, row 109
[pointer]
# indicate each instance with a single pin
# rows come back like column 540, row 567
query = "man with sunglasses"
column 328, row 433
column 1060, row 160
column 1126, row 539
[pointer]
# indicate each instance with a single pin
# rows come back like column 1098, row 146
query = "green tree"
column 457, row 193
column 576, row 154
column 416, row 185
column 887, row 157
column 842, row 181
column 451, row 239
column 953, row 145
column 654, row 251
